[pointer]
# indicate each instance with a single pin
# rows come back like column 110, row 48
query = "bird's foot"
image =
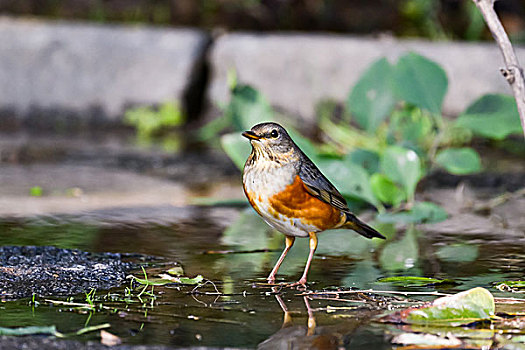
column 271, row 281
column 301, row 284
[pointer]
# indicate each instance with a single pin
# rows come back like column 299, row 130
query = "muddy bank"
column 49, row 271
column 40, row 343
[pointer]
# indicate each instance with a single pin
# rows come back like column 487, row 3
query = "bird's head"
column 270, row 140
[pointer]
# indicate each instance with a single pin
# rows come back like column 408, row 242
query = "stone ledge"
column 296, row 71
column 94, row 71
column 55, row 73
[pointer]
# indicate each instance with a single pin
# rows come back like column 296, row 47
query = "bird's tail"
column 352, row 222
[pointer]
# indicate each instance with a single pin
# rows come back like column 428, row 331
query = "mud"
column 47, row 271
column 41, row 343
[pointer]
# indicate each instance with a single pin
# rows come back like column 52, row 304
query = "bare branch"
column 513, row 72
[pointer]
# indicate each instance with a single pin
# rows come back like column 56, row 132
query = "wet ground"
column 234, row 250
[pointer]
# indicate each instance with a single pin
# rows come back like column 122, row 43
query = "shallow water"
column 232, row 248
column 251, row 315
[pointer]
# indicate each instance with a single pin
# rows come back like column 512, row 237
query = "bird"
column 291, row 194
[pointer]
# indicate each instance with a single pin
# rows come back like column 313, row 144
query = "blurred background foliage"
column 388, row 137
column 435, row 19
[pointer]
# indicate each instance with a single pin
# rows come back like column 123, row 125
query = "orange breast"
column 251, row 199
column 296, row 202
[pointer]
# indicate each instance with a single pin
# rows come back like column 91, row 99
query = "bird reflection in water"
column 292, row 336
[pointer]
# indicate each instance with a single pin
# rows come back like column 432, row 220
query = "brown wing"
column 319, row 186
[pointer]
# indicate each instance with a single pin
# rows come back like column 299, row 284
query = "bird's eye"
column 274, row 133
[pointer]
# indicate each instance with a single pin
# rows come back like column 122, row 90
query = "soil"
column 41, row 343
column 48, row 271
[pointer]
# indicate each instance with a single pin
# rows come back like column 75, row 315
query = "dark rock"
column 49, row 271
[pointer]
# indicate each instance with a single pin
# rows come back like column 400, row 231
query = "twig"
column 372, row 291
column 513, row 72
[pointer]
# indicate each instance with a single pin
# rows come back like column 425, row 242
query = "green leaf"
column 349, row 178
column 407, row 281
column 421, row 212
column 176, row 271
column 36, row 191
column 385, row 190
column 372, row 99
column 153, row 281
column 402, row 166
column 367, row 159
column 493, row 116
column 420, row 81
column 248, row 107
column 400, row 255
column 411, row 125
column 170, row 114
column 459, row 161
column 195, row 280
column 458, row 253
column 473, row 305
column 92, row 328
column 31, row 330
column 510, row 285
column 236, row 147
column 169, row 279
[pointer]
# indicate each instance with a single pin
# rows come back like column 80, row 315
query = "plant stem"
column 513, row 72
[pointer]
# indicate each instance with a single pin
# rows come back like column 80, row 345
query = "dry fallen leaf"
column 109, row 339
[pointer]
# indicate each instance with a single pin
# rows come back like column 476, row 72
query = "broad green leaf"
column 458, row 253
column 400, row 255
column 402, row 166
column 372, row 99
column 459, row 161
column 367, row 159
column 31, row 330
column 411, row 125
column 349, row 178
column 421, row 212
column 248, row 107
column 493, row 116
column 420, row 81
column 407, row 281
column 237, row 148
column 385, row 190
column 473, row 305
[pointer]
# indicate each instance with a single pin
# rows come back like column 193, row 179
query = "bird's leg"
column 311, row 318
column 313, row 247
column 289, row 243
column 287, row 321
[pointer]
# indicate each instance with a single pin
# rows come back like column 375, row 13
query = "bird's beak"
column 251, row 135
